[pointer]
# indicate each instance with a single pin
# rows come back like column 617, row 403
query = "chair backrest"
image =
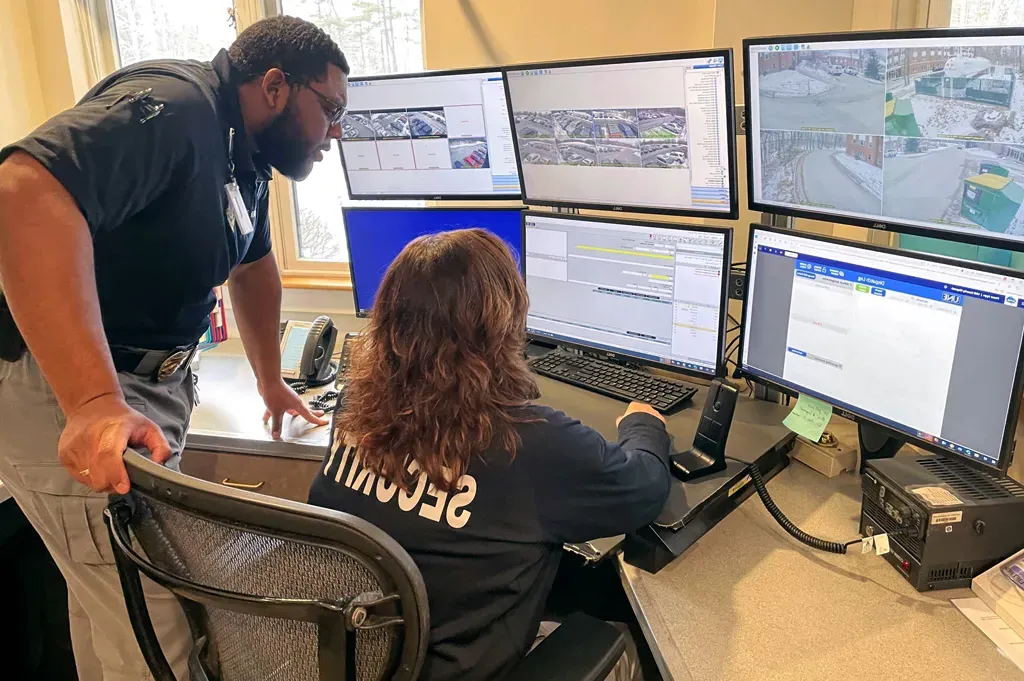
column 273, row 589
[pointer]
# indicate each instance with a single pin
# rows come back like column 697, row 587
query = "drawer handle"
column 241, row 485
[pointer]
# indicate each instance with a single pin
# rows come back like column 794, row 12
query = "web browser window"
column 926, row 348
column 650, row 292
column 429, row 136
column 644, row 134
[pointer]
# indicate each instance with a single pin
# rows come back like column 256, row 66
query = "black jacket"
column 489, row 551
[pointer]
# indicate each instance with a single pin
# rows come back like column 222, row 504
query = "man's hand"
column 280, row 400
column 95, row 438
column 635, row 407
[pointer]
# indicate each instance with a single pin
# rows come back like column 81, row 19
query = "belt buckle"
column 173, row 362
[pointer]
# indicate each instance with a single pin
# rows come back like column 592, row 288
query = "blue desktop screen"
column 376, row 237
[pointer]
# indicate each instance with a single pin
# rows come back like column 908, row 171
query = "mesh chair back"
column 246, row 543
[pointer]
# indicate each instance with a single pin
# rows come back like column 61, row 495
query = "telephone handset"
column 306, row 350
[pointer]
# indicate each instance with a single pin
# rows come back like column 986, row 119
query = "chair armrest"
column 583, row 648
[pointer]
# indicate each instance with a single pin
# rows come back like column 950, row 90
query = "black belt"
column 158, row 365
column 12, row 347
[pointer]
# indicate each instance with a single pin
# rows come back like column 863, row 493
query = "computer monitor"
column 432, row 135
column 914, row 131
column 377, row 235
column 647, row 134
column 926, row 346
column 639, row 291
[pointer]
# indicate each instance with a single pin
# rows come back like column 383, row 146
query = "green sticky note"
column 809, row 417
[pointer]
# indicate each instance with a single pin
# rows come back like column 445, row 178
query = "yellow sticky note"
column 809, row 417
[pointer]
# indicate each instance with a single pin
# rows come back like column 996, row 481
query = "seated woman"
column 441, row 448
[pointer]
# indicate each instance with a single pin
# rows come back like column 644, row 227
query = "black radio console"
column 946, row 521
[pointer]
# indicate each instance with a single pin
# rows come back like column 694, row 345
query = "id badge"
column 237, row 214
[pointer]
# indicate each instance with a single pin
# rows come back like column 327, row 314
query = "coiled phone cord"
column 787, row 524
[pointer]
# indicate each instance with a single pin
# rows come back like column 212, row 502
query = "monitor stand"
column 877, row 442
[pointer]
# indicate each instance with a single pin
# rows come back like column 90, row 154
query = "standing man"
column 117, row 219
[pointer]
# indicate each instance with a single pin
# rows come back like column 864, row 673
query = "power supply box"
column 946, row 521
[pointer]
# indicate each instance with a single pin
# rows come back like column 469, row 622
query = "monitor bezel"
column 882, row 223
column 423, row 196
column 345, row 210
column 623, row 356
column 857, row 416
column 730, row 125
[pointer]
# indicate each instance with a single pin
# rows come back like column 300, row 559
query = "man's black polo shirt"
column 153, row 194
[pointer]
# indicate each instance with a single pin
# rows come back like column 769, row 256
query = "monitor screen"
column 643, row 291
column 891, row 130
column 430, row 135
column 649, row 134
column 377, row 235
column 926, row 346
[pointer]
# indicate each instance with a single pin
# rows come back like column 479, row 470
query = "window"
column 987, row 13
column 377, row 36
column 178, row 29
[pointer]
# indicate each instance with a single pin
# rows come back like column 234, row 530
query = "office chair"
column 274, row 589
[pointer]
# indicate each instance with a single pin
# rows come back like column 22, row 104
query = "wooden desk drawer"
column 270, row 475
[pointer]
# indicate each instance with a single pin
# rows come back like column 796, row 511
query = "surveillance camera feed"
column 428, row 135
column 920, row 132
column 646, row 133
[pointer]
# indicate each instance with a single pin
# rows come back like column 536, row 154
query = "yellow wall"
column 34, row 73
column 540, row 30
column 22, row 107
column 51, row 55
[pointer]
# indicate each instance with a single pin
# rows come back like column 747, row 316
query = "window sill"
column 316, row 282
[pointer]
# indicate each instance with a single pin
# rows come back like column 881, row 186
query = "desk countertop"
column 748, row 602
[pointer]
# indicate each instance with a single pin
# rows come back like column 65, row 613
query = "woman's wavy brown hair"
column 440, row 371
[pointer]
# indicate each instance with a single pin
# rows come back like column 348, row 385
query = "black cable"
column 787, row 524
column 733, row 344
column 734, row 320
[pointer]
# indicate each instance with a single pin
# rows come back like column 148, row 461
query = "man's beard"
column 282, row 145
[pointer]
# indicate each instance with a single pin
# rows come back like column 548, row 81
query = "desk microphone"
column 707, row 455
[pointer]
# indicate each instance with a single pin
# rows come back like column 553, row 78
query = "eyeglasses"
column 332, row 110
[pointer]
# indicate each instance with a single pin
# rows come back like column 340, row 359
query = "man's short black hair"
column 293, row 45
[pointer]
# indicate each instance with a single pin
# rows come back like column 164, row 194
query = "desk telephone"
column 306, row 351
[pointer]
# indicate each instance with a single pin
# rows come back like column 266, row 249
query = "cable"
column 734, row 343
column 787, row 524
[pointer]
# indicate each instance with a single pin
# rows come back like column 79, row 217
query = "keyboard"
column 600, row 376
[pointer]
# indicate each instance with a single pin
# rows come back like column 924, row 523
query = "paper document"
column 1008, row 641
column 809, row 417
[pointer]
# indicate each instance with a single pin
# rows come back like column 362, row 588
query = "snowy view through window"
column 377, row 36
column 987, row 13
column 172, row 29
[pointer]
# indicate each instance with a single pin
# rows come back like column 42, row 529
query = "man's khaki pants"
column 69, row 518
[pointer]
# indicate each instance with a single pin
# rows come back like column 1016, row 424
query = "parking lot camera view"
column 902, row 130
column 648, row 138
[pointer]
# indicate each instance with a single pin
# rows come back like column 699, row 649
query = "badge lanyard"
column 237, row 216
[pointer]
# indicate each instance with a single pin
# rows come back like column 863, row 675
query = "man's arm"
column 256, row 300
column 48, row 278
